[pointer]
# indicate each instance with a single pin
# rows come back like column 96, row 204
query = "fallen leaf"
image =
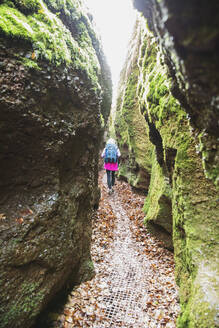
column 26, row 212
column 20, row 220
column 2, row 216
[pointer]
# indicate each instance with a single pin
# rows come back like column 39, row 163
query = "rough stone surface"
column 131, row 130
column 182, row 200
column 51, row 112
column 188, row 33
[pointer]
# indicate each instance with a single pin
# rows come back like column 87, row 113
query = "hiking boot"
column 110, row 191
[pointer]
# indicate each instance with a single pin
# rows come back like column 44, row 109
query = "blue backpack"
column 111, row 153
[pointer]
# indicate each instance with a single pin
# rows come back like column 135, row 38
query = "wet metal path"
column 126, row 277
column 134, row 284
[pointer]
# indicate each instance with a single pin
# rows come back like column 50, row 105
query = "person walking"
column 111, row 155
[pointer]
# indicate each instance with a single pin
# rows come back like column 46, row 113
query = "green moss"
column 192, row 196
column 157, row 205
column 182, row 158
column 195, row 238
column 30, row 64
column 207, row 148
column 200, row 310
column 154, row 87
column 125, row 115
column 50, row 39
column 179, row 183
column 158, row 95
column 133, row 140
column 27, row 6
column 131, row 129
column 165, row 112
column 102, row 121
column 30, row 296
column 14, row 24
column 123, row 170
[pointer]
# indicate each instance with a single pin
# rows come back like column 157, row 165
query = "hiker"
column 111, row 155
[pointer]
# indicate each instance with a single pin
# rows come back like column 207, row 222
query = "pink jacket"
column 111, row 166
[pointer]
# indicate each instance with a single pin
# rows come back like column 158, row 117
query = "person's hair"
column 111, row 140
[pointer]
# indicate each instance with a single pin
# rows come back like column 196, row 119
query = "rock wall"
column 136, row 149
column 182, row 203
column 55, row 92
column 188, row 34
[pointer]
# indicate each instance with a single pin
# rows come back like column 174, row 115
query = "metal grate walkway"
column 130, row 288
column 126, row 279
column 126, row 301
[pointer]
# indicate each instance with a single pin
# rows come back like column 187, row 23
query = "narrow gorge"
column 55, row 110
column 55, row 94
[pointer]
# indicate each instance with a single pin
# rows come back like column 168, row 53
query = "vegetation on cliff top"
column 59, row 33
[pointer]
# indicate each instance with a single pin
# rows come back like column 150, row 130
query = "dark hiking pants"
column 110, row 178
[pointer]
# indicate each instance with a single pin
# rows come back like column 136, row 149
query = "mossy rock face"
column 178, row 175
column 158, row 206
column 59, row 32
column 188, row 33
column 195, row 208
column 162, row 113
column 131, row 130
column 181, row 201
column 50, row 130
